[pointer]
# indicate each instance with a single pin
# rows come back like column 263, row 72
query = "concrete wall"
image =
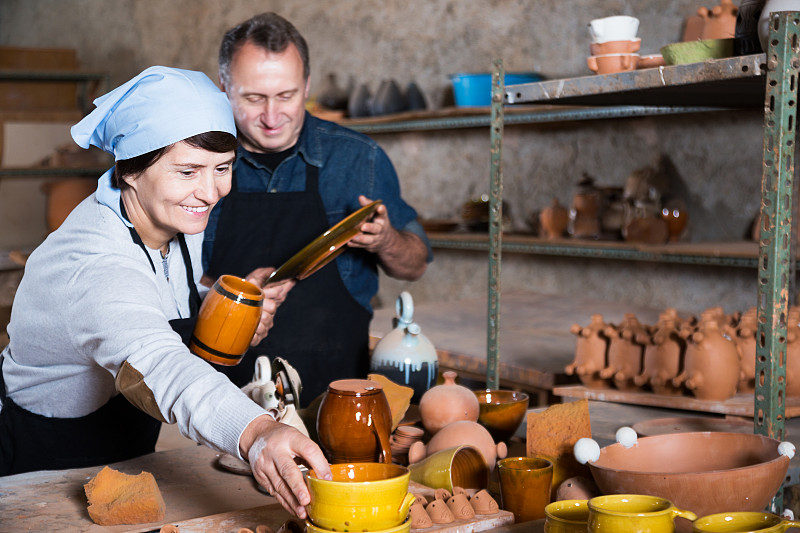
column 718, row 156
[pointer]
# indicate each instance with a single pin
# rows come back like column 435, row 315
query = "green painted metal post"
column 775, row 262
column 495, row 225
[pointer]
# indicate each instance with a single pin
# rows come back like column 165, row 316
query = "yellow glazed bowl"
column 742, row 522
column 360, row 497
column 566, row 516
column 622, row 513
column 405, row 527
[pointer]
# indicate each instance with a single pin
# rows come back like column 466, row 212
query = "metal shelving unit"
column 733, row 82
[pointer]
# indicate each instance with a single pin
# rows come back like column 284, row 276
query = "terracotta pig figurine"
column 663, row 355
column 624, row 352
column 711, row 365
column 591, row 348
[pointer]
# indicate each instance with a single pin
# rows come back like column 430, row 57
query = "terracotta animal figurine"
column 711, row 365
column 420, row 519
column 439, row 512
column 483, row 503
column 624, row 352
column 591, row 347
column 663, row 355
column 460, row 507
column 745, row 337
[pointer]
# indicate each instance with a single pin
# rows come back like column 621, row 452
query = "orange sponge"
column 117, row 498
column 553, row 432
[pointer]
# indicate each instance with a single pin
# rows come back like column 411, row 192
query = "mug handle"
column 786, row 524
column 688, row 515
column 406, row 505
column 382, row 432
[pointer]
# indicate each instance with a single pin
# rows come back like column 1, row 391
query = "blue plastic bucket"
column 472, row 90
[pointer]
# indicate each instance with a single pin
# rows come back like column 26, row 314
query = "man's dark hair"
column 269, row 31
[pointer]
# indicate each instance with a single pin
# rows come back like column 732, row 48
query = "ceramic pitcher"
column 354, row 422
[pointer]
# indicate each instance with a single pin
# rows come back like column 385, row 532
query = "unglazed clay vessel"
column 467, row 432
column 704, row 472
column 576, row 488
column 625, row 352
column 611, row 63
column 447, row 403
column 419, row 517
column 663, row 355
column 439, row 512
column 746, row 346
column 553, row 220
column 793, row 352
column 354, row 422
column 711, row 364
column 591, row 348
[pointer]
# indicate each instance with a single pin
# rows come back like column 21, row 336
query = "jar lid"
column 355, row 386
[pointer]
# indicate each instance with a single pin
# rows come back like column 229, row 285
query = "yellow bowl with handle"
column 360, row 497
column 742, row 522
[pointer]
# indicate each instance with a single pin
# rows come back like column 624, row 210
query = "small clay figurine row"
column 446, row 508
column 712, row 357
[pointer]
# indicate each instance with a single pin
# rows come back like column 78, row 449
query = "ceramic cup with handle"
column 632, row 513
column 743, row 522
column 566, row 516
column 227, row 320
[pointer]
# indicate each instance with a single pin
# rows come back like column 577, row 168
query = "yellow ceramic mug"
column 566, row 516
column 623, row 513
column 227, row 321
column 360, row 497
column 743, row 522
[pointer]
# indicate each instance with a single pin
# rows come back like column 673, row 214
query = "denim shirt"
column 350, row 164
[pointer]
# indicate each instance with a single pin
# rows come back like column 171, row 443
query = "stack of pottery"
column 402, row 439
column 614, row 44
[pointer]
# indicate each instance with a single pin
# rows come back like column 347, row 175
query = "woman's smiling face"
column 176, row 193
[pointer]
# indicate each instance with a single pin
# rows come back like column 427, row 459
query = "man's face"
column 268, row 93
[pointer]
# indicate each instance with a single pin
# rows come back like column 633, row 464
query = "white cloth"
column 88, row 302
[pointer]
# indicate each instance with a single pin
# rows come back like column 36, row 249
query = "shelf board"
column 738, row 254
column 730, row 82
column 38, row 172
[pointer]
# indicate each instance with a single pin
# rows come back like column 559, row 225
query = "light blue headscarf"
column 157, row 108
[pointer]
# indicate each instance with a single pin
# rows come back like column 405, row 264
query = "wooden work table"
column 534, row 337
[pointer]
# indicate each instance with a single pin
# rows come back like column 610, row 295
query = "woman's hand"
column 274, row 295
column 271, row 449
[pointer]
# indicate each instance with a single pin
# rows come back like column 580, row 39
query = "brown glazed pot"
column 447, row 403
column 703, row 472
column 354, row 422
column 591, row 348
column 625, row 353
column 711, row 365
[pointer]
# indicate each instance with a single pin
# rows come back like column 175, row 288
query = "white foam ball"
column 787, row 449
column 626, row 436
column 586, row 450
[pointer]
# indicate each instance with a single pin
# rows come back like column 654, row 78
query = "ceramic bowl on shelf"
column 627, row 46
column 501, row 411
column 614, row 28
column 703, row 472
column 475, row 89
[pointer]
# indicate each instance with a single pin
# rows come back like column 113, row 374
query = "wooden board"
column 231, row 522
column 479, row 523
column 739, row 405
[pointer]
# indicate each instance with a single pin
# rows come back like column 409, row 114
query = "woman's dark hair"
column 268, row 31
column 213, row 141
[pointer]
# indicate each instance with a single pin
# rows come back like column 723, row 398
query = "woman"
column 96, row 360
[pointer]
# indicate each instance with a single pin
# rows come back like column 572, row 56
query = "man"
column 296, row 176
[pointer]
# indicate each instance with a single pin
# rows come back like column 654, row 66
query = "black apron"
column 115, row 432
column 321, row 330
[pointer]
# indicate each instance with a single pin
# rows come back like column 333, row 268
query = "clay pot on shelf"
column 612, row 63
column 447, row 403
column 624, row 352
column 663, row 355
column 711, row 365
column 63, row 196
column 745, row 337
column 676, row 216
column 553, row 220
column 354, row 422
column 793, row 352
column 591, row 347
column 332, row 96
column 584, row 215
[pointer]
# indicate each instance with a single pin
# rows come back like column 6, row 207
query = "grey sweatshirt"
column 89, row 302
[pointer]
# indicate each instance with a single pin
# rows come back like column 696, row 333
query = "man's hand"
column 401, row 253
column 274, row 295
column 271, row 449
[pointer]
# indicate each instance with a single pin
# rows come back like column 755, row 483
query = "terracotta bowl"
column 501, row 412
column 703, row 472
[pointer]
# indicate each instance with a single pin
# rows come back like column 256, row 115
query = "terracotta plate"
column 661, row 426
column 324, row 248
